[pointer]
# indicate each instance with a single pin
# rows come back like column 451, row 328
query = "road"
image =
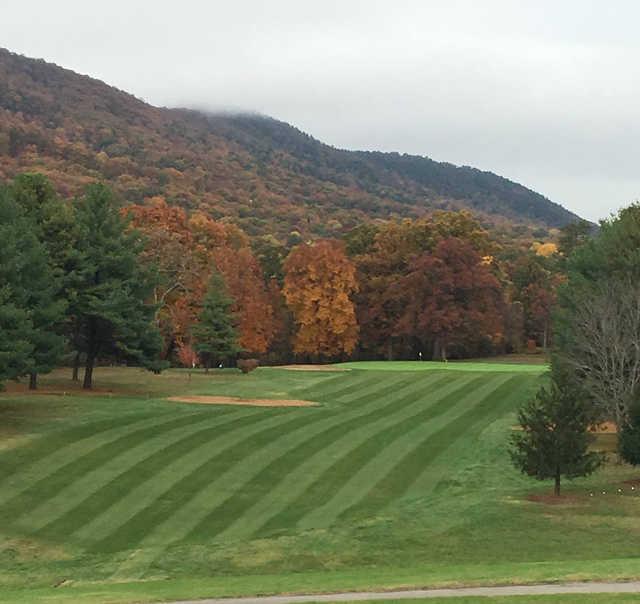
column 505, row 590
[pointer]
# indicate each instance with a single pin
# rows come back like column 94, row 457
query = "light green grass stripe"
column 39, row 470
column 155, row 486
column 388, row 457
column 332, row 386
column 428, row 480
column 242, row 499
column 356, row 389
column 397, row 481
column 189, row 515
column 45, row 445
column 179, row 494
column 415, row 400
column 87, row 484
column 243, row 470
column 450, row 366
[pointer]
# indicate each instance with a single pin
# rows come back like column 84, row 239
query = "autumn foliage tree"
column 450, row 297
column 187, row 249
column 318, row 283
column 388, row 259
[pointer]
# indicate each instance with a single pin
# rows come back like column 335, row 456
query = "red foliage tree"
column 450, row 298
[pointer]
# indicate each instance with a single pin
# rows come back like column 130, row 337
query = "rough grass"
column 396, row 478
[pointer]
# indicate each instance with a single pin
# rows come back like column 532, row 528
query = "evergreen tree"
column 26, row 301
column 554, row 441
column 597, row 322
column 630, row 436
column 110, row 311
column 41, row 206
column 215, row 334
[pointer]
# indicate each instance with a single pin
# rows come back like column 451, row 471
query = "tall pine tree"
column 26, row 287
column 110, row 309
column 215, row 334
column 42, row 207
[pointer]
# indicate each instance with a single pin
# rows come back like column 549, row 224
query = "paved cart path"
column 505, row 590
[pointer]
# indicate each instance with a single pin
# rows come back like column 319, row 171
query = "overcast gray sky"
column 544, row 92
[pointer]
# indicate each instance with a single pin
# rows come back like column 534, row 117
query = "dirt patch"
column 233, row 400
column 551, row 499
column 634, row 482
column 313, row 368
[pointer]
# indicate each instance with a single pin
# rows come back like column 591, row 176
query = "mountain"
column 254, row 170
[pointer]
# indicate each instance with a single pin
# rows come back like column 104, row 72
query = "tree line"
column 595, row 368
column 87, row 279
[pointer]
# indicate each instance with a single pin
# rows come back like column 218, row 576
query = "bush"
column 247, row 365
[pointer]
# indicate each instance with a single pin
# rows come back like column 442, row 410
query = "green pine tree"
column 26, row 289
column 41, row 206
column 215, row 334
column 110, row 310
column 555, row 436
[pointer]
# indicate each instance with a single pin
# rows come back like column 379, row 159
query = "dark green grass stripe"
column 136, row 528
column 18, row 459
column 51, row 485
column 108, row 494
column 240, row 501
column 399, row 479
column 354, row 387
column 331, row 385
column 340, row 472
column 428, row 480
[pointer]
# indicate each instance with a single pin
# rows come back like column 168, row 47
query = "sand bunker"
column 233, row 400
column 313, row 368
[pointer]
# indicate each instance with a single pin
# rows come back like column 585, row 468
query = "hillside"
column 259, row 172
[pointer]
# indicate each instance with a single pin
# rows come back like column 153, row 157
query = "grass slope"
column 399, row 477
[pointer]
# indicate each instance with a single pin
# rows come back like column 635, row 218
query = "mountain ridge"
column 264, row 174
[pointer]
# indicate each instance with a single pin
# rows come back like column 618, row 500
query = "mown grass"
column 482, row 366
column 397, row 478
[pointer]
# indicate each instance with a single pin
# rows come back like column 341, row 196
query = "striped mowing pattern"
column 210, row 474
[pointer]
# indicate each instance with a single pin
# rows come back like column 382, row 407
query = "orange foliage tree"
column 318, row 284
column 186, row 249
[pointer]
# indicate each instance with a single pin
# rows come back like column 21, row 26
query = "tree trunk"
column 389, row 350
column 556, row 489
column 87, row 383
column 76, row 367
column 436, row 350
column 92, row 353
column 33, row 381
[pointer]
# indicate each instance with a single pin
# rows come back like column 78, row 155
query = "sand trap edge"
column 247, row 402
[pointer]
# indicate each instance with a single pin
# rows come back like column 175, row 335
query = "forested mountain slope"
column 259, row 172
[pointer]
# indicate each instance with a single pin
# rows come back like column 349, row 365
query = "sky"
column 546, row 93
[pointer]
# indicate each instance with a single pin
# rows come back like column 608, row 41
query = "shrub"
column 247, row 365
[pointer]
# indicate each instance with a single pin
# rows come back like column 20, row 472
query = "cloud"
column 542, row 92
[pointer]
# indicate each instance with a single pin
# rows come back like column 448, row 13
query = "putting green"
column 449, row 366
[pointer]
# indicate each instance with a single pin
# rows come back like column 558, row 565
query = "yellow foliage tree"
column 318, row 283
